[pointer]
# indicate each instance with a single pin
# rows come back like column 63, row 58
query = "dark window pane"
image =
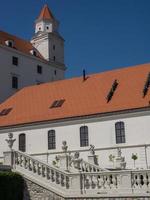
column 51, row 139
column 22, row 142
column 39, row 69
column 120, row 132
column 15, row 82
column 14, row 60
column 84, row 136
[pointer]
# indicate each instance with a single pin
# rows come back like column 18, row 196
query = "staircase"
column 87, row 182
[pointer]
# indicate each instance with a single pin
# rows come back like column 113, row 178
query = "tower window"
column 39, row 69
column 54, row 58
column 51, row 139
column 84, row 140
column 55, row 72
column 120, row 132
column 15, row 60
column 15, row 82
column 53, row 47
column 47, row 27
column 39, row 28
column 22, row 142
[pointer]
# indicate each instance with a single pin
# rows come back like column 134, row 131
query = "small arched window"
column 22, row 142
column 51, row 139
column 120, row 132
column 84, row 138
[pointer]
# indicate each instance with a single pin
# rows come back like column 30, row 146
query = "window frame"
column 39, row 69
column 22, row 147
column 84, row 136
column 51, row 139
column 15, row 60
column 14, row 82
column 120, row 132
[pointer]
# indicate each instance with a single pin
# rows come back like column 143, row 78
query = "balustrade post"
column 77, row 183
column 92, row 158
column 9, row 155
column 64, row 158
column 124, row 182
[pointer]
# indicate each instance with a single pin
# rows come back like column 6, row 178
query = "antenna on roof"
column 84, row 75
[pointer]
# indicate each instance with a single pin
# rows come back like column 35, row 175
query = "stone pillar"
column 8, row 158
column 125, row 186
column 92, row 158
column 64, row 158
column 120, row 161
column 9, row 155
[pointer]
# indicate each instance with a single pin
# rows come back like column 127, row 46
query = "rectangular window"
column 15, row 60
column 39, row 69
column 120, row 132
column 22, row 142
column 51, row 139
column 15, row 82
column 84, row 138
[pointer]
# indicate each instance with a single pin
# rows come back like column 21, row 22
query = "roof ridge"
column 89, row 75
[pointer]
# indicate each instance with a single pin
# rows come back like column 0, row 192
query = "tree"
column 134, row 158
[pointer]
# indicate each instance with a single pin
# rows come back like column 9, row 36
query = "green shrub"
column 11, row 186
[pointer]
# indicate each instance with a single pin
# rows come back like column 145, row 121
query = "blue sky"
column 100, row 34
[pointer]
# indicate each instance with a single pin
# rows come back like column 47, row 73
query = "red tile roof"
column 32, row 104
column 45, row 14
column 19, row 44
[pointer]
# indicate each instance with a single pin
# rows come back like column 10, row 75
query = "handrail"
column 42, row 162
column 92, row 167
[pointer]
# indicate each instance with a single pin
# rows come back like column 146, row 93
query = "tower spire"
column 45, row 14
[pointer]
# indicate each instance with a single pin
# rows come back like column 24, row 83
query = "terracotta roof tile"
column 45, row 14
column 19, row 44
column 31, row 104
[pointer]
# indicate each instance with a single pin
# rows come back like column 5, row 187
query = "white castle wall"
column 26, row 71
column 101, row 135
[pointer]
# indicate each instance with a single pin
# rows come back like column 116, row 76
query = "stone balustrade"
column 88, row 167
column 41, row 169
column 89, row 181
column 123, row 182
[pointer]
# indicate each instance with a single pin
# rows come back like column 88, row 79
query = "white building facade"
column 23, row 63
column 101, row 134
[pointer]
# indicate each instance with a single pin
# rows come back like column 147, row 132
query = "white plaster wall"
column 101, row 135
column 45, row 42
column 59, row 48
column 42, row 46
column 26, row 71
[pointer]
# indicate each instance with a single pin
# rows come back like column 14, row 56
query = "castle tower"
column 47, row 38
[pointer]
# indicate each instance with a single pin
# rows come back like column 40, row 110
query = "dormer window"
column 33, row 52
column 9, row 43
column 5, row 111
column 57, row 103
column 112, row 90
